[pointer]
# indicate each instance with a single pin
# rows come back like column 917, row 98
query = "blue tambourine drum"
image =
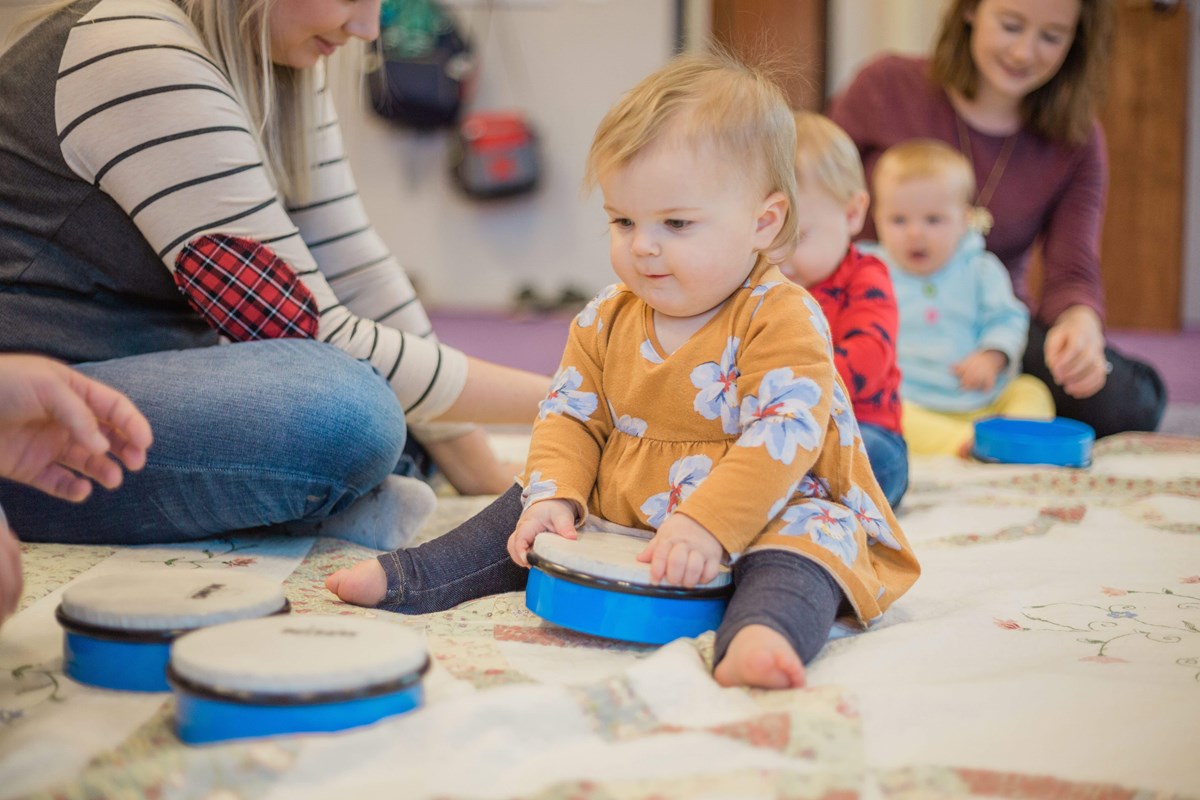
column 118, row 629
column 1057, row 442
column 595, row 584
column 304, row 673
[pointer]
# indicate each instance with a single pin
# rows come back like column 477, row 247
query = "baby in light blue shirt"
column 962, row 330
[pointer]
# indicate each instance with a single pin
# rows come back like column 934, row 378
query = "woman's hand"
column 60, row 430
column 471, row 466
column 683, row 553
column 544, row 516
column 1075, row 352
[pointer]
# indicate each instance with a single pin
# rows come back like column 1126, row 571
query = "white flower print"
column 565, row 399
column 627, row 424
column 781, row 417
column 760, row 292
column 828, row 524
column 537, row 489
column 718, row 387
column 871, row 518
column 684, row 476
column 814, row 486
column 843, row 416
column 782, row 502
column 817, row 318
column 649, row 353
column 588, row 315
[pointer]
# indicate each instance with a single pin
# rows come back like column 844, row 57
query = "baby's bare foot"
column 364, row 584
column 760, row 657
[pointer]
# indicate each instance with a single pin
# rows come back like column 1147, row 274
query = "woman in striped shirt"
column 172, row 177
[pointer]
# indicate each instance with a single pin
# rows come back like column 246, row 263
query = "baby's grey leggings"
column 776, row 588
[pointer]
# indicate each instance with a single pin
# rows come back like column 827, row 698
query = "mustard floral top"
column 745, row 428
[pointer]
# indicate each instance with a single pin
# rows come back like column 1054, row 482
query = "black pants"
column 776, row 588
column 1133, row 398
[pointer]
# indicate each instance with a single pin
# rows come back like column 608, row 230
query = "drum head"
column 607, row 556
column 299, row 654
column 170, row 599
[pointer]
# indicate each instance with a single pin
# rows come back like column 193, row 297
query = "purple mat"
column 535, row 343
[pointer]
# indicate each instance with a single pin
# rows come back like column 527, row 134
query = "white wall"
column 861, row 29
column 563, row 62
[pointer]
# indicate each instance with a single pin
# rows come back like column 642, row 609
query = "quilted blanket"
column 1051, row 649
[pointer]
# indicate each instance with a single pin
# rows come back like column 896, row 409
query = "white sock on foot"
column 386, row 518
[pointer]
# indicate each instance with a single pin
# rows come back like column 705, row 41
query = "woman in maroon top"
column 1014, row 85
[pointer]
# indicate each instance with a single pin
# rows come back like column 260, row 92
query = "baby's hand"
column 544, row 516
column 979, row 370
column 683, row 553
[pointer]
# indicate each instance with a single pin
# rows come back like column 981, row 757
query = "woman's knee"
column 350, row 416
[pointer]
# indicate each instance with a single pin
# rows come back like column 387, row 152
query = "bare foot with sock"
column 760, row 657
column 364, row 584
column 386, row 518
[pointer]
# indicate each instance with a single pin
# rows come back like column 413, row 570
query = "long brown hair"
column 1064, row 108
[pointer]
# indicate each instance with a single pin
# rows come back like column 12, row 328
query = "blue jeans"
column 245, row 436
column 888, row 454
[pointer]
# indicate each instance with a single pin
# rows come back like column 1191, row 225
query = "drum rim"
column 306, row 698
column 556, row 570
column 141, row 635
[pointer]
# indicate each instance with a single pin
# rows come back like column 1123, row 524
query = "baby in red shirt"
column 853, row 289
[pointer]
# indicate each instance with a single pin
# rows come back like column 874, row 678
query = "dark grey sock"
column 468, row 562
column 786, row 592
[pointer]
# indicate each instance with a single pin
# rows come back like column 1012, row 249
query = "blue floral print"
column 870, row 517
column 781, row 417
column 813, row 486
column 684, row 476
column 843, row 416
column 627, row 424
column 828, row 524
column 564, row 397
column 537, row 489
column 718, row 387
column 817, row 318
column 588, row 315
column 649, row 353
column 760, row 292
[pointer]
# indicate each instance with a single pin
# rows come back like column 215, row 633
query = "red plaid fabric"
column 244, row 290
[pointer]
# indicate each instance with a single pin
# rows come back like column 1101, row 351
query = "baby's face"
column 684, row 228
column 825, row 232
column 920, row 222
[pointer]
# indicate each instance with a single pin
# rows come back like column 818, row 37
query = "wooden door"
column 785, row 36
column 1145, row 121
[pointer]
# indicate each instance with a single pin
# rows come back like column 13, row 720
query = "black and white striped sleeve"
column 145, row 114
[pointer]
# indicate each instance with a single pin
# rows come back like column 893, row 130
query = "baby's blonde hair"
column 926, row 158
column 707, row 98
column 827, row 156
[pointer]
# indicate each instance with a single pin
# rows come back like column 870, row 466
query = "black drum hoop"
column 250, row 698
column 136, row 635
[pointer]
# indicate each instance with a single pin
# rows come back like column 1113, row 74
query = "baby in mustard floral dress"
column 697, row 398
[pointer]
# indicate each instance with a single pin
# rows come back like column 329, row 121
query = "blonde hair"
column 1062, row 110
column 925, row 158
column 827, row 156
column 707, row 98
column 280, row 101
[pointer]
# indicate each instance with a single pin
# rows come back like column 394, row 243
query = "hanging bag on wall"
column 494, row 154
column 425, row 68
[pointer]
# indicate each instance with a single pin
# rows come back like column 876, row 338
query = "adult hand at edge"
column 1075, row 352
column 60, row 430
